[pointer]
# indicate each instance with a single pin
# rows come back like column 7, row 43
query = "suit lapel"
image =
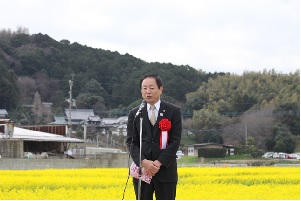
column 161, row 115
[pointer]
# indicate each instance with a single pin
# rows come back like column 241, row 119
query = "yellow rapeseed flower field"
column 214, row 183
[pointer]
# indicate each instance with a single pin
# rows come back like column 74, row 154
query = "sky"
column 209, row 35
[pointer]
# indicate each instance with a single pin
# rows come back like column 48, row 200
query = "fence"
column 106, row 160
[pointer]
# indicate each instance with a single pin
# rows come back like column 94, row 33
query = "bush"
column 256, row 153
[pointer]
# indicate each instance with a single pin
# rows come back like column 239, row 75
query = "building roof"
column 123, row 120
column 79, row 114
column 109, row 121
column 114, row 121
column 30, row 135
column 59, row 120
column 3, row 112
column 94, row 118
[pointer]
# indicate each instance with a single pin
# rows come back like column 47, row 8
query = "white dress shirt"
column 157, row 107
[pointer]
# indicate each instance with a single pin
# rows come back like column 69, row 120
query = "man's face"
column 150, row 91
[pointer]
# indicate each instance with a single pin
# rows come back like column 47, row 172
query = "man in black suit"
column 160, row 141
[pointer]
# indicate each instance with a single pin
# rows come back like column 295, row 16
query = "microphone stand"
column 140, row 168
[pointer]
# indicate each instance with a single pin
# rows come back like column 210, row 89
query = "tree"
column 95, row 88
column 20, row 39
column 92, row 95
column 283, row 140
column 210, row 136
column 196, row 101
column 8, row 94
column 88, row 101
column 209, row 124
column 256, row 123
column 241, row 102
column 43, row 84
column 204, row 119
column 280, row 146
column 37, row 108
column 27, row 87
column 289, row 114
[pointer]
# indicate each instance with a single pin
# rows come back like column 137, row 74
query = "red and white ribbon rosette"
column 165, row 126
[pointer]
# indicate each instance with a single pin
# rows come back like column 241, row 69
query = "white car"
column 279, row 155
column 268, row 155
column 179, row 154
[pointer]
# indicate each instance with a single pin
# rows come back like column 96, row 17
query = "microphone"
column 140, row 108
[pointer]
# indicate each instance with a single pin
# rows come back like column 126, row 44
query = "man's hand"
column 151, row 167
column 157, row 164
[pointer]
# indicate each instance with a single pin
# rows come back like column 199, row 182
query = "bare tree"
column 27, row 88
column 5, row 34
column 256, row 124
column 37, row 108
column 22, row 30
column 43, row 85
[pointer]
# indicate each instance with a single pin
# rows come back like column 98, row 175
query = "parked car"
column 179, row 154
column 267, row 155
column 279, row 155
column 294, row 156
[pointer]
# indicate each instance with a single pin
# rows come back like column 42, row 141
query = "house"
column 78, row 115
column 116, row 125
column 192, row 150
column 3, row 114
column 23, row 140
column 93, row 120
column 109, row 122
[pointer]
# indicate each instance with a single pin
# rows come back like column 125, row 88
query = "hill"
column 102, row 80
column 254, row 111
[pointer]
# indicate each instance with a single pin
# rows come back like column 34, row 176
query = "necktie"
column 153, row 116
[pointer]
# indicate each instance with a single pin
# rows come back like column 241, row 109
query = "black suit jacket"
column 151, row 140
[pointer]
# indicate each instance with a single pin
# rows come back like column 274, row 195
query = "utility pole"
column 70, row 106
column 246, row 134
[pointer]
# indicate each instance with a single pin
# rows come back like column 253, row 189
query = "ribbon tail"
column 163, row 139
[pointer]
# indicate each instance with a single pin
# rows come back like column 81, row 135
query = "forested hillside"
column 102, row 80
column 261, row 109
column 254, row 111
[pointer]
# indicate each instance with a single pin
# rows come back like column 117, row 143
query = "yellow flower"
column 249, row 183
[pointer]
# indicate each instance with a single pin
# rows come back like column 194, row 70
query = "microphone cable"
column 127, row 180
column 139, row 112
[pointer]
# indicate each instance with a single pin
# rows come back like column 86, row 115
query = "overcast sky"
column 211, row 35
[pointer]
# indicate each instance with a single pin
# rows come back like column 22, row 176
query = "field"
column 250, row 183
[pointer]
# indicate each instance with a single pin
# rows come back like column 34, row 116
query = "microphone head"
column 140, row 108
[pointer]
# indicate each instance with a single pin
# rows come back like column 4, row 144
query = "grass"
column 195, row 159
column 189, row 159
column 241, row 157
